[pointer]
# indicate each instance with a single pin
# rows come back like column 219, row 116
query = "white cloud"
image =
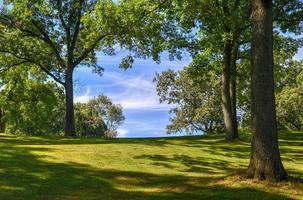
column 129, row 82
column 143, row 103
column 122, row 132
column 139, row 94
column 135, row 92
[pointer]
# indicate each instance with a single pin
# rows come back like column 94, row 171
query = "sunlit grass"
column 204, row 167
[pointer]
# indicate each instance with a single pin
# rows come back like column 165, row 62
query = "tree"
column 98, row 117
column 265, row 161
column 194, row 93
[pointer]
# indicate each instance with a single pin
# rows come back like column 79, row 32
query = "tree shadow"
column 291, row 138
column 211, row 166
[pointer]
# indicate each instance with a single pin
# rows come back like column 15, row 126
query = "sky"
column 134, row 89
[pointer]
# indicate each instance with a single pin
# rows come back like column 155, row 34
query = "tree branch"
column 47, row 39
column 88, row 50
column 27, row 60
column 59, row 5
column 77, row 28
column 282, row 7
column 49, row 73
column 11, row 66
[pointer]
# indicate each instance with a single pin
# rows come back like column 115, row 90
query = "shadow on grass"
column 24, row 175
column 210, row 166
column 291, row 138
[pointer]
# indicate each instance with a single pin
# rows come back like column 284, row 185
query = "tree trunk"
column 69, row 101
column 232, row 88
column 230, row 131
column 265, row 161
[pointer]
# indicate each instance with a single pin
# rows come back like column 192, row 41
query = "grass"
column 204, row 167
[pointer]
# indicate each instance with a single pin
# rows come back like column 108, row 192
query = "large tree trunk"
column 229, row 120
column 69, row 101
column 265, row 161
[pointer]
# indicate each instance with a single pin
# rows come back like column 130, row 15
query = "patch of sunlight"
column 176, row 189
column 127, row 180
column 42, row 176
column 9, row 187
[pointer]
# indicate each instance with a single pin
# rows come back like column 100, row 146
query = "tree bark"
column 69, row 101
column 2, row 122
column 229, row 120
column 232, row 88
column 265, row 161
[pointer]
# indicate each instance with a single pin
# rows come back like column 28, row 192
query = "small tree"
column 194, row 93
column 98, row 117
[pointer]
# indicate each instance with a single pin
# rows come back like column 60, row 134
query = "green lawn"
column 204, row 167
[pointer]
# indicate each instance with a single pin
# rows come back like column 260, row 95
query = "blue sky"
column 133, row 89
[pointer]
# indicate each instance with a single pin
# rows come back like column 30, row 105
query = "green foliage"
column 290, row 97
column 98, row 117
column 195, row 94
column 288, row 15
column 29, row 103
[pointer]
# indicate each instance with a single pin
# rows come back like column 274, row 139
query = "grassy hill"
column 204, row 167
